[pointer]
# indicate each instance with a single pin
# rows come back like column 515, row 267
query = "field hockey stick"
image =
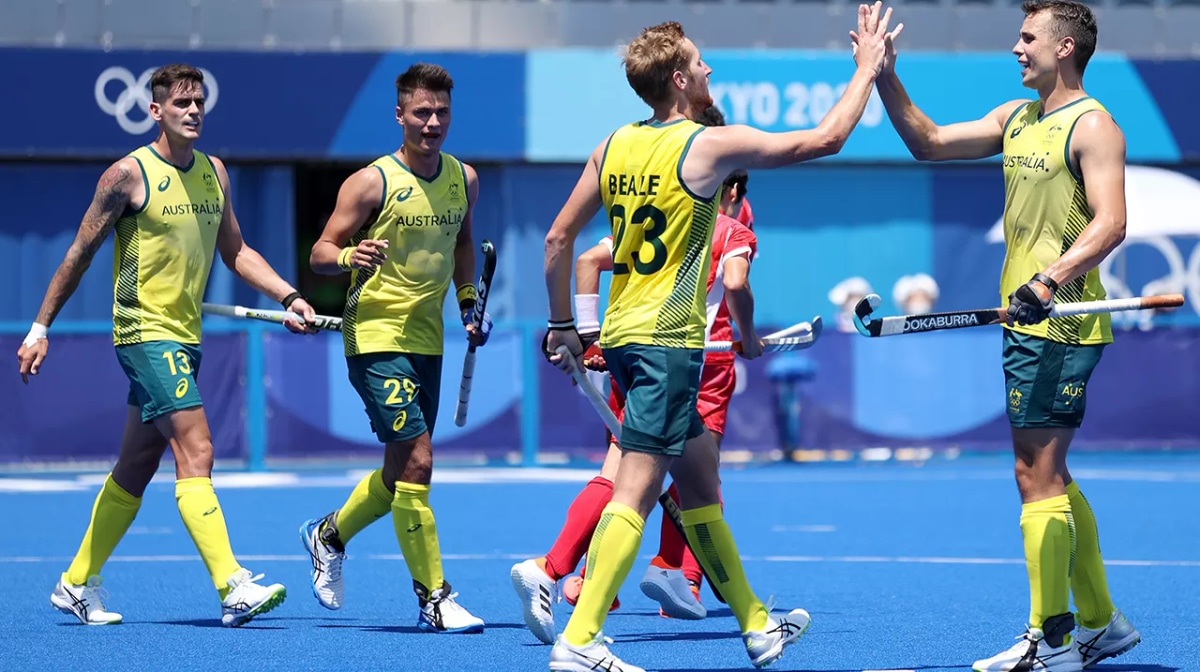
column 868, row 325
column 276, row 316
column 593, row 395
column 482, row 289
column 773, row 343
column 797, row 328
column 670, row 508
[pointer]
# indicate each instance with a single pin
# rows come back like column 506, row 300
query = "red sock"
column 671, row 544
column 576, row 534
column 689, row 564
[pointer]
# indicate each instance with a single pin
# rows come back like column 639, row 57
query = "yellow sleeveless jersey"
column 1045, row 210
column 164, row 250
column 662, row 233
column 397, row 307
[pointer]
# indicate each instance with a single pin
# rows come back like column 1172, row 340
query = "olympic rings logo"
column 136, row 94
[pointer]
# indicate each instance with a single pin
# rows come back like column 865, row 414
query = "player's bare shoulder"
column 1003, row 113
column 121, row 184
column 364, row 187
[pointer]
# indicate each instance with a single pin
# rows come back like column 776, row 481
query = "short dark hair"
column 163, row 81
column 740, row 178
column 428, row 76
column 1070, row 19
column 711, row 116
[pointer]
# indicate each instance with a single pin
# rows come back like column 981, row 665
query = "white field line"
column 786, row 559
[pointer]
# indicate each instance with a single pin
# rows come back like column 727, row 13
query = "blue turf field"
column 902, row 567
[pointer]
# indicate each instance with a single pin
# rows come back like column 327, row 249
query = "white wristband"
column 587, row 312
column 36, row 333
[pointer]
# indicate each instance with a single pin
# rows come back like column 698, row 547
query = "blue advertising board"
column 260, row 105
column 577, row 96
column 541, row 105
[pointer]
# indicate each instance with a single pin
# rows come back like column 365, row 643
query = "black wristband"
column 1047, row 281
column 561, row 325
column 287, row 300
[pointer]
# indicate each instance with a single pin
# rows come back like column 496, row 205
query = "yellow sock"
column 417, row 532
column 614, row 547
column 712, row 541
column 201, row 513
column 112, row 513
column 1089, row 582
column 369, row 501
column 1049, row 531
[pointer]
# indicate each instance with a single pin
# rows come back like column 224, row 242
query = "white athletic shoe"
column 538, row 593
column 84, row 602
column 327, row 553
column 441, row 614
column 1036, row 653
column 566, row 657
column 766, row 646
column 247, row 599
column 670, row 588
column 1109, row 641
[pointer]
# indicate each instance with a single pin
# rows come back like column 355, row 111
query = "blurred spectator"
column 845, row 295
column 915, row 294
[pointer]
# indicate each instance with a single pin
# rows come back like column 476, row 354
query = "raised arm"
column 1098, row 150
column 721, row 150
column 359, row 199
column 927, row 141
column 119, row 186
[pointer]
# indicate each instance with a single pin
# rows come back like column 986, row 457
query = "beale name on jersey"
column 661, row 237
column 397, row 307
column 1045, row 210
column 164, row 250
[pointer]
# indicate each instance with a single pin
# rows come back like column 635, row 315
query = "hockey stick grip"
column 1115, row 305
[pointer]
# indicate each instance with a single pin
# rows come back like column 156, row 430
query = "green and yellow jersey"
column 661, row 238
column 397, row 307
column 164, row 250
column 1045, row 210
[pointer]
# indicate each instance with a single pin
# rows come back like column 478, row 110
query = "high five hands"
column 873, row 46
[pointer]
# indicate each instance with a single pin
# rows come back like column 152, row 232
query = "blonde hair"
column 652, row 58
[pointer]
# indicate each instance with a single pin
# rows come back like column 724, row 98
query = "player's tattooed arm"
column 113, row 195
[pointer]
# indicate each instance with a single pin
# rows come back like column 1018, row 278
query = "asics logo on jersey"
column 1016, row 131
column 414, row 528
column 166, row 182
column 136, row 94
column 404, row 194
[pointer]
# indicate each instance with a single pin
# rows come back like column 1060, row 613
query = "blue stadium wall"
column 527, row 120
